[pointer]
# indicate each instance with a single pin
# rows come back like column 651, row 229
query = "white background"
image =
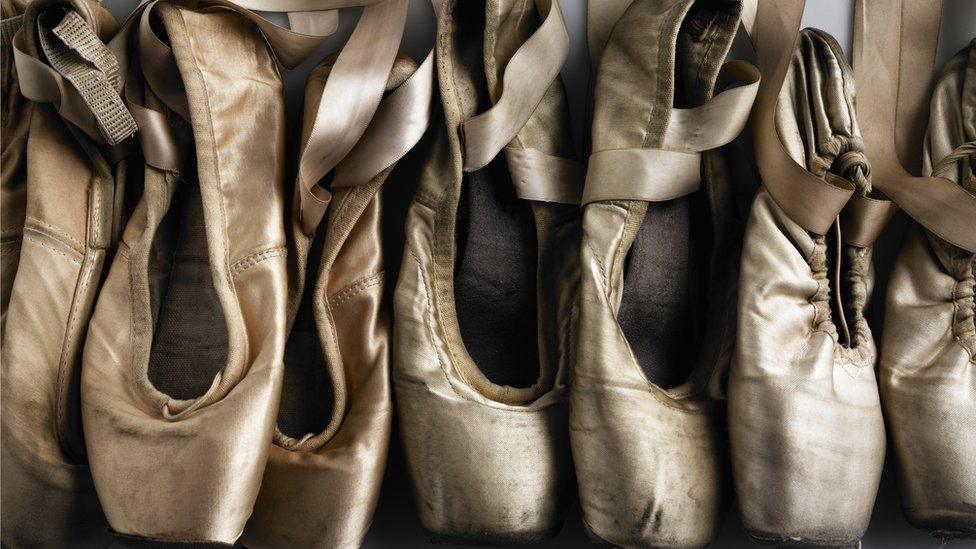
column 396, row 524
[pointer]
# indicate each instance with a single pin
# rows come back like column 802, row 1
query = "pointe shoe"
column 807, row 436
column 62, row 186
column 183, row 363
column 326, row 465
column 487, row 292
column 658, row 279
column 927, row 364
column 13, row 184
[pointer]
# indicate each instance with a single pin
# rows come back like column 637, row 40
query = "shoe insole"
column 307, row 398
column 495, row 277
column 660, row 288
column 190, row 343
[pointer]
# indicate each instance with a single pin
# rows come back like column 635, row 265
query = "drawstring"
column 949, row 162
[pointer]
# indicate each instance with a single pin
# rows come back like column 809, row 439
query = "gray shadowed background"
column 396, row 524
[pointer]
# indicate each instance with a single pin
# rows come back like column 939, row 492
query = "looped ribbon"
column 950, row 161
column 80, row 77
column 673, row 171
column 351, row 125
column 938, row 204
column 895, row 44
column 530, row 72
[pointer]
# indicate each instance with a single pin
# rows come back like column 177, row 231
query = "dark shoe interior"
column 663, row 309
column 189, row 347
column 663, row 289
column 307, row 398
column 495, row 265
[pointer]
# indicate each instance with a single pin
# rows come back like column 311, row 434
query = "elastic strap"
column 895, row 42
column 9, row 27
column 656, row 175
column 81, row 81
column 73, row 49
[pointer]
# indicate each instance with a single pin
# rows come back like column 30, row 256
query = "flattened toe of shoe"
column 806, row 465
column 37, row 512
column 485, row 475
column 651, row 474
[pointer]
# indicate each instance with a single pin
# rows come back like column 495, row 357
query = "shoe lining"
column 663, row 307
column 496, row 248
column 190, row 343
column 307, row 397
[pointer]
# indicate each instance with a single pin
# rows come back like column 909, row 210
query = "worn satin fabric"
column 189, row 470
column 13, row 165
column 489, row 464
column 807, row 436
column 67, row 192
column 650, row 461
column 928, row 354
column 321, row 491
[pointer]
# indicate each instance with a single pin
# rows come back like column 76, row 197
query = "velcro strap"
column 656, row 175
column 528, row 75
column 74, row 51
column 8, row 28
column 545, row 178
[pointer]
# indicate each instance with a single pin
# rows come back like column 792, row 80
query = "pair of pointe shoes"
column 677, row 293
column 511, row 355
column 218, row 394
column 807, row 413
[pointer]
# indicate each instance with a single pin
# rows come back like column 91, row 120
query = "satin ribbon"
column 528, row 75
column 892, row 70
column 657, row 175
column 895, row 43
column 349, row 101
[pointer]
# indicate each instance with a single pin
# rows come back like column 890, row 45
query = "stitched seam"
column 355, row 289
column 245, row 263
column 30, row 238
column 123, row 249
column 429, row 325
column 57, row 236
column 63, row 365
column 424, row 199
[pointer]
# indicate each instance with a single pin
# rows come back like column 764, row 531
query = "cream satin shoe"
column 484, row 303
column 928, row 353
column 183, row 363
column 13, row 162
column 807, row 436
column 68, row 193
column 658, row 277
column 326, row 466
